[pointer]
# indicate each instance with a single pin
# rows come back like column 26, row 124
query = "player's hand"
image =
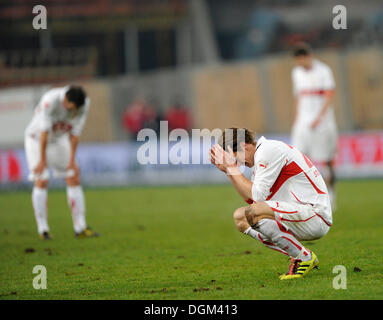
column 215, row 162
column 73, row 166
column 40, row 167
column 224, row 158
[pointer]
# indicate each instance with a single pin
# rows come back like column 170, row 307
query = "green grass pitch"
column 181, row 243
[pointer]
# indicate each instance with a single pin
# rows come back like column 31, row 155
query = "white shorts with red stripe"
column 300, row 219
column 319, row 144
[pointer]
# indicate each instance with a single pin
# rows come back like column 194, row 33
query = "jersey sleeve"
column 79, row 123
column 268, row 167
column 45, row 108
column 328, row 79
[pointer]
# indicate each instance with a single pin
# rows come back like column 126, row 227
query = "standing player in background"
column 51, row 140
column 314, row 130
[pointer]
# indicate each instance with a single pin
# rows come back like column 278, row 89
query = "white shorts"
column 318, row 144
column 300, row 219
column 58, row 156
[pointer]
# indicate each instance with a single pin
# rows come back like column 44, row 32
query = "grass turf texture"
column 181, row 243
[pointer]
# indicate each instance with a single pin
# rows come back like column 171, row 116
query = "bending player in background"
column 314, row 130
column 51, row 140
column 287, row 196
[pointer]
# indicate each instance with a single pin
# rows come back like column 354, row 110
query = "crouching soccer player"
column 51, row 140
column 288, row 197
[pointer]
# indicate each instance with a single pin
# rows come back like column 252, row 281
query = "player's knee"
column 42, row 184
column 73, row 181
column 240, row 219
column 252, row 214
column 257, row 211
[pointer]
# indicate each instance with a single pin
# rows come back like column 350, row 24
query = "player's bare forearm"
column 43, row 154
column 73, row 142
column 226, row 162
column 240, row 183
column 329, row 98
column 43, row 146
column 296, row 102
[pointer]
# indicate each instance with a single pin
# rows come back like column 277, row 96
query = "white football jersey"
column 309, row 87
column 283, row 173
column 50, row 115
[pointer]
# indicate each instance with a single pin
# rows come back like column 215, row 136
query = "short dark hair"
column 77, row 95
column 302, row 49
column 234, row 136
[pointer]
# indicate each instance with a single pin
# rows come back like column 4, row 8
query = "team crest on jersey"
column 62, row 126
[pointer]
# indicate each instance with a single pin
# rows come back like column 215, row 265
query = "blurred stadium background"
column 196, row 63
